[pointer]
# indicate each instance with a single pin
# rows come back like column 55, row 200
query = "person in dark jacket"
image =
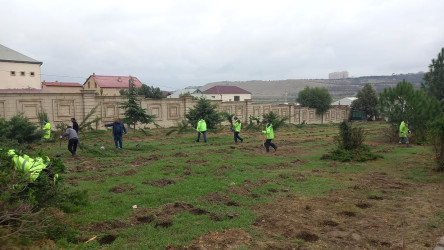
column 72, row 140
column 118, row 130
column 75, row 125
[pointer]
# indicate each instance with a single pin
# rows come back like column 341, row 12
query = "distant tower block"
column 338, row 75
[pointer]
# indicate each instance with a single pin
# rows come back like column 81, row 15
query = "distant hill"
column 275, row 90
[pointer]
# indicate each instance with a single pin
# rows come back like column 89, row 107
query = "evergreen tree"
column 433, row 81
column 134, row 113
column 205, row 110
column 367, row 100
column 317, row 98
column 403, row 102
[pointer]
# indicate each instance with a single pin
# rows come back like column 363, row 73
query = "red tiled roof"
column 222, row 89
column 166, row 93
column 114, row 81
column 24, row 91
column 62, row 84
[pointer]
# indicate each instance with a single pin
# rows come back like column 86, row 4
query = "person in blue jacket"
column 118, row 130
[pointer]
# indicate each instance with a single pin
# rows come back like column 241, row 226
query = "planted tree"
column 433, row 81
column 134, row 113
column 350, row 144
column 86, row 123
column 317, row 98
column 367, row 100
column 274, row 119
column 403, row 102
column 205, row 110
column 436, row 137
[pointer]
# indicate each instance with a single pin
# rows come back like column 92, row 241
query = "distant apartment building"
column 109, row 85
column 338, row 75
column 18, row 71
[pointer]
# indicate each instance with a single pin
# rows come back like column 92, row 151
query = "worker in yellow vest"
column 28, row 165
column 47, row 129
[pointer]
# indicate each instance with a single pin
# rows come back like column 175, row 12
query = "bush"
column 361, row 153
column 350, row 146
column 24, row 205
column 349, row 138
column 19, row 129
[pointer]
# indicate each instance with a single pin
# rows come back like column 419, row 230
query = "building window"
column 236, row 98
column 32, row 73
column 22, row 73
column 12, row 73
column 95, row 85
column 89, row 85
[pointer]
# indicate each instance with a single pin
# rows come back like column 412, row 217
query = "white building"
column 346, row 101
column 18, row 71
column 191, row 92
column 227, row 93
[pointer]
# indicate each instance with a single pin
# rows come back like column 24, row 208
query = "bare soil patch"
column 228, row 239
column 122, row 188
column 160, row 183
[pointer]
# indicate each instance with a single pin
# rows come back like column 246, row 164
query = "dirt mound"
column 180, row 154
column 122, row 188
column 222, row 169
column 160, row 183
column 107, row 226
column 215, row 198
column 227, row 239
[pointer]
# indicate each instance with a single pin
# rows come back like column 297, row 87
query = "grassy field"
column 225, row 195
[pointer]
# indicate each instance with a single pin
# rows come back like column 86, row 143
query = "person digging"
column 269, row 135
column 73, row 140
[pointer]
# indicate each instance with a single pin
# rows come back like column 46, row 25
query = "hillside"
column 275, row 90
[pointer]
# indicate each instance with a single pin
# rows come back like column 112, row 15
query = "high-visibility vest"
column 47, row 129
column 27, row 165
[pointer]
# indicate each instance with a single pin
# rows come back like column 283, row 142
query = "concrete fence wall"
column 60, row 107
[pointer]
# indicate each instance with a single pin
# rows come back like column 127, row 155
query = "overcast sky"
column 172, row 44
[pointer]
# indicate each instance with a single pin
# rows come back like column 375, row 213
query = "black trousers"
column 268, row 143
column 72, row 145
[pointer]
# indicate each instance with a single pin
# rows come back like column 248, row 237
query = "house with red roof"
column 109, row 85
column 62, row 87
column 227, row 93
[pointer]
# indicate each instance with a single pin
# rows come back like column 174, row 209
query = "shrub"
column 19, row 129
column 350, row 146
column 24, row 205
column 361, row 153
column 349, row 138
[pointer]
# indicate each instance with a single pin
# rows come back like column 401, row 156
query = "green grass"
column 200, row 169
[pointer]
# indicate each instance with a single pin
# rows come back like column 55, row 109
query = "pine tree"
column 367, row 100
column 434, row 79
column 134, row 113
column 204, row 109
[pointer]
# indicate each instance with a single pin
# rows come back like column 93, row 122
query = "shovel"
column 263, row 148
column 59, row 153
